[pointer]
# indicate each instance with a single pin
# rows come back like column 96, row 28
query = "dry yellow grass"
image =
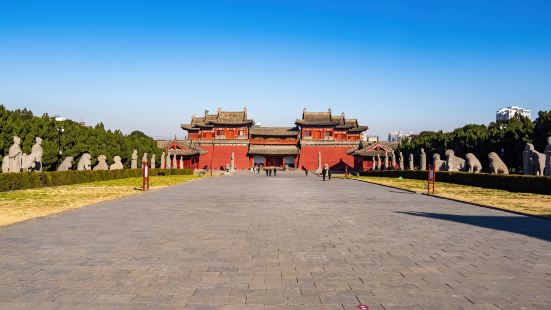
column 520, row 202
column 22, row 205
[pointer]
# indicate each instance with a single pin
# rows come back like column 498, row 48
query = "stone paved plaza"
column 286, row 242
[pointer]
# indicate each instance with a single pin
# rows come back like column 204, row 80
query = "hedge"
column 26, row 180
column 510, row 182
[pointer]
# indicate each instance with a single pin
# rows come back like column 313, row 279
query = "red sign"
column 363, row 307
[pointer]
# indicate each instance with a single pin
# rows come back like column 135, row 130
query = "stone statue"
column 386, row 161
column 168, row 161
column 473, row 164
column 152, row 165
column 454, row 163
column 85, row 162
column 36, row 155
column 25, row 162
column 102, row 164
column 134, row 162
column 117, row 165
column 423, row 160
column 410, row 166
column 174, row 163
column 232, row 162
column 378, row 162
column 548, row 158
column 374, row 163
column 163, row 163
column 438, row 163
column 533, row 162
column 182, row 162
column 401, row 160
column 144, row 159
column 14, row 155
column 496, row 164
column 5, row 164
column 393, row 160
column 66, row 165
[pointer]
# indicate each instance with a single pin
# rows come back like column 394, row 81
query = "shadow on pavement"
column 525, row 225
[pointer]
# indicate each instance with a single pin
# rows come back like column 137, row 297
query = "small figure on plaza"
column 323, row 172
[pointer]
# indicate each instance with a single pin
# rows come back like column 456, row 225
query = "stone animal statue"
column 85, row 162
column 473, row 164
column 117, row 165
column 36, row 155
column 15, row 155
column 66, row 164
column 423, row 160
column 539, row 162
column 163, row 163
column 533, row 162
column 548, row 158
column 438, row 163
column 134, row 162
column 497, row 166
column 152, row 161
column 454, row 163
column 102, row 164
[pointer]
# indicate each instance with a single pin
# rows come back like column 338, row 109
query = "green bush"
column 26, row 180
column 511, row 182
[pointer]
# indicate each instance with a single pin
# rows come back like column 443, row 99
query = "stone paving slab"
column 286, row 242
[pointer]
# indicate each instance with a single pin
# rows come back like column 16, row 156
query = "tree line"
column 506, row 138
column 74, row 141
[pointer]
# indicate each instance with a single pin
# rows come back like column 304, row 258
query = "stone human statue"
column 117, row 165
column 527, row 164
column 102, row 164
column 168, row 161
column 497, row 166
column 66, row 164
column 144, row 158
column 386, row 161
column 548, row 158
column 153, row 161
column 181, row 162
column 438, row 163
column 378, row 162
column 25, row 162
column 232, row 162
column 15, row 155
column 374, row 163
column 411, row 167
column 36, row 155
column 473, row 164
column 134, row 162
column 423, row 160
column 85, row 162
column 174, row 163
column 393, row 160
column 455, row 163
column 5, row 164
column 163, row 163
column 401, row 160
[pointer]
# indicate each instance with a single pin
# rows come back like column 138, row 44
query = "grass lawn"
column 22, row 205
column 520, row 202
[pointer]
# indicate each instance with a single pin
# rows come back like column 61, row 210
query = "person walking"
column 323, row 173
column 275, row 172
column 329, row 174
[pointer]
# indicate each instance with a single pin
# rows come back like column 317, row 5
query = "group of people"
column 268, row 170
column 325, row 172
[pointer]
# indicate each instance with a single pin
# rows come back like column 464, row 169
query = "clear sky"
column 395, row 65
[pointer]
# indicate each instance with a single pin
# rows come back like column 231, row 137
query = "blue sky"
column 150, row 65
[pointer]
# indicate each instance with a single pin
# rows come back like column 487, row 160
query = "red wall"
column 332, row 155
column 222, row 156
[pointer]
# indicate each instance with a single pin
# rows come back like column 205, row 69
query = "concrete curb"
column 455, row 200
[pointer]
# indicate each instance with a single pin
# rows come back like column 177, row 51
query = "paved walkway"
column 285, row 242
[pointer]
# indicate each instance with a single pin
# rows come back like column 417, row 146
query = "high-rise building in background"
column 396, row 136
column 507, row 113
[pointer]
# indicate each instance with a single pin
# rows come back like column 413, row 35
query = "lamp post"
column 60, row 131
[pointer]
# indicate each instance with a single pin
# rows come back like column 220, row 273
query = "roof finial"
column 218, row 110
column 206, row 112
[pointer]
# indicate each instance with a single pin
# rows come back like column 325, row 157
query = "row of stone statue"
column 534, row 162
column 17, row 161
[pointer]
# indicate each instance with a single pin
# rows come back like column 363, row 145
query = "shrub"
column 512, row 183
column 26, row 180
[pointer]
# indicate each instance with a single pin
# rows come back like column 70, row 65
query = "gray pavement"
column 286, row 242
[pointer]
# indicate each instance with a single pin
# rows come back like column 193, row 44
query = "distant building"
column 367, row 138
column 397, row 136
column 505, row 114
